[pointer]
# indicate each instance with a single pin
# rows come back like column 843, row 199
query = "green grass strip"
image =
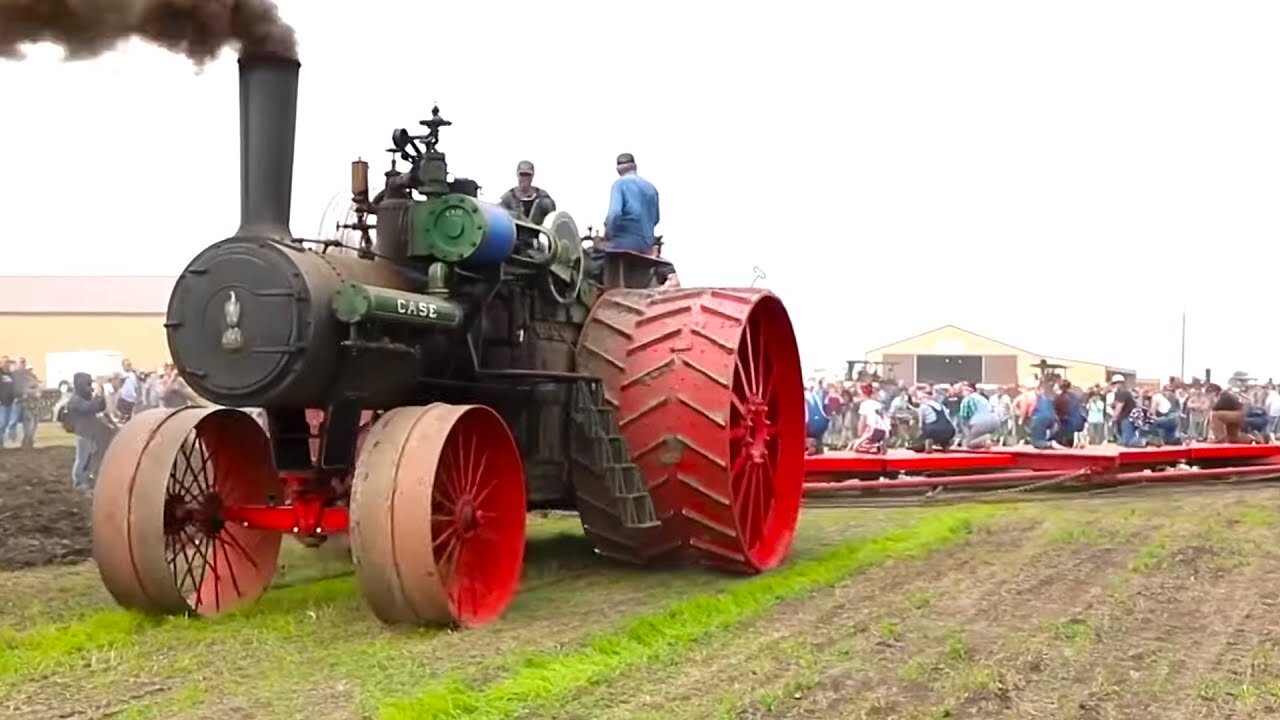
column 662, row 636
column 52, row 647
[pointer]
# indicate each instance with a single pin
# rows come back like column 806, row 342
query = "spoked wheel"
column 438, row 516
column 706, row 387
column 159, row 536
column 766, row 504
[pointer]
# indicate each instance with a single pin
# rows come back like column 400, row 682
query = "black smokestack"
column 268, row 115
column 198, row 29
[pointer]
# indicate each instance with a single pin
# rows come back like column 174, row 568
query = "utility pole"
column 1182, row 365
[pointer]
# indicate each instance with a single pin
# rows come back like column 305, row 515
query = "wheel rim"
column 460, row 468
column 753, row 446
column 111, row 504
column 472, row 517
column 183, row 555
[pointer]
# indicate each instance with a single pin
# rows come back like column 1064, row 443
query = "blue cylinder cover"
column 499, row 239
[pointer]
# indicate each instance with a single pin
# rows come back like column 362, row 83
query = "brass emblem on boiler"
column 232, row 338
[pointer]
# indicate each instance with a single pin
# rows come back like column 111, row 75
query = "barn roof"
column 84, row 295
column 1000, row 342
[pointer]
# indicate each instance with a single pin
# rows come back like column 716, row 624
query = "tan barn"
column 49, row 314
column 950, row 354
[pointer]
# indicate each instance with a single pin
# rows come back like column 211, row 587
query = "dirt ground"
column 1155, row 608
column 1152, row 606
column 42, row 520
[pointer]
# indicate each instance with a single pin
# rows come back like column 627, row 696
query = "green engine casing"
column 460, row 229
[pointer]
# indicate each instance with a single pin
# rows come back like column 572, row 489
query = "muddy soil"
column 42, row 520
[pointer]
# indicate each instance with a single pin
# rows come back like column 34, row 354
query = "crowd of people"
column 871, row 416
column 89, row 408
column 19, row 403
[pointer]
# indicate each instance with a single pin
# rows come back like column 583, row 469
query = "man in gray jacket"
column 526, row 201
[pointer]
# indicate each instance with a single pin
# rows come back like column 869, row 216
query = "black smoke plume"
column 198, row 29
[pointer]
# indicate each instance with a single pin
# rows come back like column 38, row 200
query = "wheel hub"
column 204, row 513
column 467, row 519
column 758, row 429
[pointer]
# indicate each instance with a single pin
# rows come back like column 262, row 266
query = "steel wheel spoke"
column 239, row 547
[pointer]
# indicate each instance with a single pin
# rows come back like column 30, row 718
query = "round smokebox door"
column 237, row 319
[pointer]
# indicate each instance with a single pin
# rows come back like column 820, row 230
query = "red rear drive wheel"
column 706, row 388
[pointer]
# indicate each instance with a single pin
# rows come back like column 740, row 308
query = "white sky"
column 867, row 155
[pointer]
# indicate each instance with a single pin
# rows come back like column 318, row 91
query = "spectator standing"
column 26, row 405
column 1273, row 413
column 1097, row 416
column 1123, row 407
column 92, row 435
column 7, row 396
column 130, row 392
column 174, row 391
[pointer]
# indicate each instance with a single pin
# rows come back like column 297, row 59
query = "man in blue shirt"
column 633, row 210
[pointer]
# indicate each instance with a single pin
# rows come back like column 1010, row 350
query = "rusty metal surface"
column 407, row 498
column 112, row 500
column 139, row 561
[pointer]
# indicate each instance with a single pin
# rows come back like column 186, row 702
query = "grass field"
column 1161, row 607
column 49, row 434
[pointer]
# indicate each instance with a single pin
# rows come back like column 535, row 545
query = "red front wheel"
column 438, row 516
column 161, row 536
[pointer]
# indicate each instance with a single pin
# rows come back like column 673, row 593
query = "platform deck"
column 838, row 464
column 1103, row 457
column 844, row 464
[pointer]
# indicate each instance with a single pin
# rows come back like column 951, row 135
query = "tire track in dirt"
column 1002, row 626
column 728, row 665
column 943, row 659
column 794, row 638
column 1055, row 644
column 1195, row 611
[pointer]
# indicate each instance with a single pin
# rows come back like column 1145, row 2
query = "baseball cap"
column 524, row 168
column 625, row 158
column 1117, row 378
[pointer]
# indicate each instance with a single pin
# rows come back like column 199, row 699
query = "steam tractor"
column 465, row 369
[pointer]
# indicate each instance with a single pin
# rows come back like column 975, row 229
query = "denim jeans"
column 85, row 467
column 1198, row 425
column 1041, row 428
column 1129, row 434
column 980, row 429
column 27, row 422
column 1097, row 433
column 14, row 422
column 6, row 412
column 1166, row 428
column 20, row 418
